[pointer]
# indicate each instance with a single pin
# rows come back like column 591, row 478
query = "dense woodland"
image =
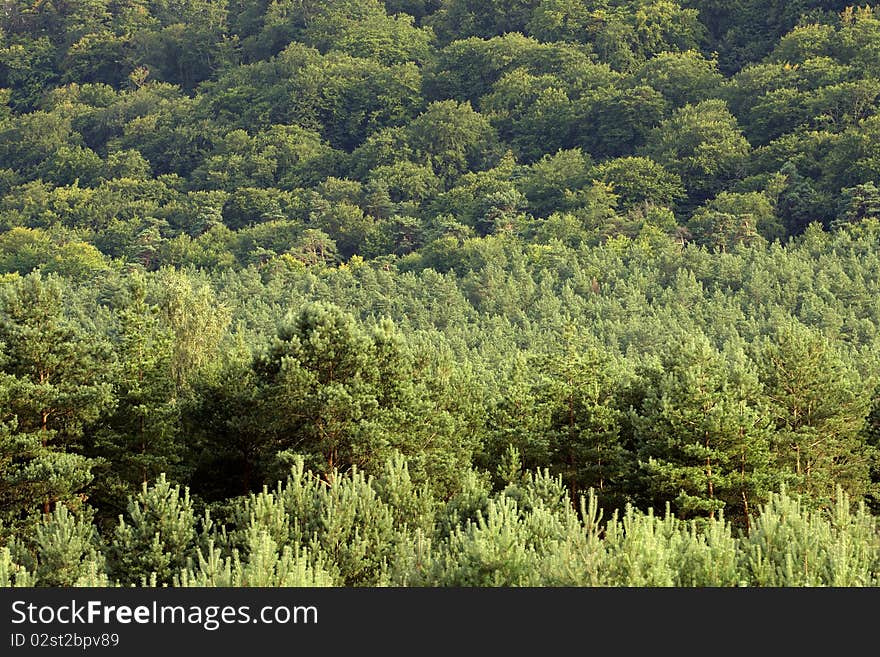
column 439, row 292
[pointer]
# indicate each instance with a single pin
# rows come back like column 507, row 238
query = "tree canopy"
column 413, row 292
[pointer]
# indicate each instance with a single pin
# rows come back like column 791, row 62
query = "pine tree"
column 344, row 396
column 64, row 549
column 53, row 386
column 158, row 537
column 139, row 437
column 819, row 405
column 586, row 446
column 702, row 438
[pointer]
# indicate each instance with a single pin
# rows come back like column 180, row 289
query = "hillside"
column 439, row 292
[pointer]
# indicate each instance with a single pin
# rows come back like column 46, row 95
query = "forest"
column 439, row 293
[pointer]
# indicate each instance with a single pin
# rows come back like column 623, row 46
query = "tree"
column 324, row 387
column 457, row 19
column 174, row 138
column 731, row 219
column 157, row 538
column 517, row 418
column 99, row 57
column 53, row 387
column 182, row 53
column 805, row 41
column 624, row 34
column 618, row 120
column 407, row 181
column 701, row 143
column 345, row 224
column 345, row 397
column 467, row 199
column 584, row 432
column 452, row 138
column 232, row 452
column 23, row 249
column 533, row 112
column 701, row 433
column 640, row 180
column 858, row 203
column 65, row 549
column 139, row 438
column 682, row 77
column 281, row 156
column 467, row 69
column 28, row 69
column 30, row 140
column 799, row 203
column 747, row 31
column 819, row 404
column 196, row 319
column 376, row 35
column 315, row 247
column 549, row 183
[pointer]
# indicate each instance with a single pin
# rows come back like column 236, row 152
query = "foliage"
column 423, row 292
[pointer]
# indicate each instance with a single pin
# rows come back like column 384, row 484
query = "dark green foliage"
column 620, row 121
column 345, row 397
column 586, row 445
column 703, row 144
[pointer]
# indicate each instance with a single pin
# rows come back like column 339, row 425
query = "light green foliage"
column 467, row 69
column 24, row 249
column 366, row 531
column 624, row 34
column 265, row 567
column 158, row 536
column 792, row 546
column 196, row 320
column 506, row 541
column 341, row 520
column 13, row 574
column 66, row 550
